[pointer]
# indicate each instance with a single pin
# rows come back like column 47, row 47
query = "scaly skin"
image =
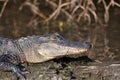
column 36, row 49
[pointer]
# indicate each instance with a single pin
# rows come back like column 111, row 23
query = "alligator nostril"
column 88, row 45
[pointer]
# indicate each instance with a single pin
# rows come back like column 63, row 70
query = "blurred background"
column 95, row 21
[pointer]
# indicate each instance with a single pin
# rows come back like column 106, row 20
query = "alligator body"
column 35, row 49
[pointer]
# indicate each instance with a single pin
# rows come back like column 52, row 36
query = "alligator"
column 36, row 49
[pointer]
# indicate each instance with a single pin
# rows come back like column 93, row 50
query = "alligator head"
column 54, row 45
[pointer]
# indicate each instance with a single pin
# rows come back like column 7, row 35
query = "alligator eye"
column 53, row 38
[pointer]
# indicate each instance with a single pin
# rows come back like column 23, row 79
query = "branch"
column 59, row 8
column 4, row 5
column 33, row 8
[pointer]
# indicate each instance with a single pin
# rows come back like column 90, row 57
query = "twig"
column 58, row 9
column 4, row 5
column 33, row 8
column 107, row 7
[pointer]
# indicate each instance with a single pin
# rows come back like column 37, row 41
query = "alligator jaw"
column 54, row 50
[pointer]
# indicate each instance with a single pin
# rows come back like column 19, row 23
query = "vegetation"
column 75, row 10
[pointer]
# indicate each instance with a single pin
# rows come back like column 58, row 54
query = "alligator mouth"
column 76, row 51
column 80, row 50
column 63, row 48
